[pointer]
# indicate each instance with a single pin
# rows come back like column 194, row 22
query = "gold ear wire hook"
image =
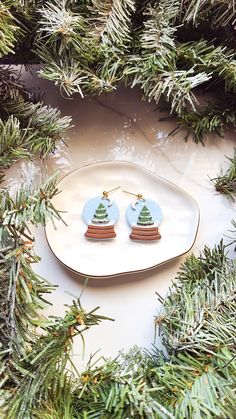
column 139, row 195
column 106, row 193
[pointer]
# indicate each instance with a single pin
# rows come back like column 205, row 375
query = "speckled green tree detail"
column 101, row 215
column 145, row 218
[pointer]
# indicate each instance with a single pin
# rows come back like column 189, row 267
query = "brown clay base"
column 145, row 233
column 100, row 232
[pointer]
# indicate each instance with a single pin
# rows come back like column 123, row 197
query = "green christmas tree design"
column 145, row 218
column 100, row 215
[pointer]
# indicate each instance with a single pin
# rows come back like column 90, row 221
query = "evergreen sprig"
column 199, row 318
column 21, row 286
column 111, row 22
column 34, row 128
column 222, row 12
column 89, row 57
column 90, row 47
column 59, row 24
column 226, row 182
column 30, row 363
column 168, row 48
column 11, row 87
column 232, row 236
column 196, row 380
column 12, row 145
column 32, row 205
column 206, row 119
column 45, row 365
column 21, row 298
column 10, row 31
column 27, row 126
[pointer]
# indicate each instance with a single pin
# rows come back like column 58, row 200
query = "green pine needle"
column 226, row 182
column 9, row 30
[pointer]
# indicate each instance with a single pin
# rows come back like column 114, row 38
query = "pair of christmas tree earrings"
column 101, row 214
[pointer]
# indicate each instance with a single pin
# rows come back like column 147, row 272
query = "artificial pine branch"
column 84, row 50
column 11, row 87
column 226, row 182
column 233, row 235
column 28, row 205
column 9, row 29
column 26, row 127
column 199, row 319
column 43, row 130
column 100, row 45
column 217, row 61
column 140, row 384
column 111, row 22
column 45, row 365
column 44, row 127
column 145, row 385
column 21, row 296
column 23, row 354
column 22, row 290
column 59, row 24
column 156, row 70
column 12, row 145
column 222, row 11
column 90, row 47
column 22, row 287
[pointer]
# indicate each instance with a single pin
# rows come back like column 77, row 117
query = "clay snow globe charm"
column 100, row 214
column 144, row 217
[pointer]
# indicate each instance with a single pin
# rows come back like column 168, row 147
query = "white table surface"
column 121, row 126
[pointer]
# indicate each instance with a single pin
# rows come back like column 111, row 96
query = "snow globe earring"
column 144, row 217
column 101, row 214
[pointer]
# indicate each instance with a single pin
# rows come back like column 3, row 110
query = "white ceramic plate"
column 121, row 255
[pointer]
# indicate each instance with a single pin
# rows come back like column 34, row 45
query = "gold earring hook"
column 139, row 195
column 106, row 193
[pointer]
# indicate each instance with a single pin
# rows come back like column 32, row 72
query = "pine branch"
column 93, row 57
column 156, row 70
column 72, row 77
column 199, row 387
column 212, row 118
column 59, row 24
column 158, row 36
column 11, row 88
column 9, row 30
column 26, row 128
column 22, row 290
column 13, row 144
column 233, row 236
column 36, row 129
column 45, row 125
column 226, row 182
column 28, row 205
column 45, row 365
column 146, row 385
column 156, row 61
column 199, row 318
column 21, row 286
column 21, row 296
column 215, row 60
column 67, row 74
column 111, row 22
column 218, row 12
column 120, row 388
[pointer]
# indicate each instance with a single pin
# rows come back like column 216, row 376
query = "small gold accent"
column 106, row 193
column 139, row 195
